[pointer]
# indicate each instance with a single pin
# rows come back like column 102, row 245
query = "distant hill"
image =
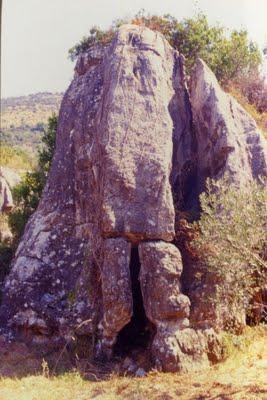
column 24, row 118
column 28, row 111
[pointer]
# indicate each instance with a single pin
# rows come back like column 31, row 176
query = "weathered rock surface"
column 116, row 291
column 161, row 268
column 6, row 201
column 8, row 179
column 227, row 136
column 133, row 145
column 136, row 157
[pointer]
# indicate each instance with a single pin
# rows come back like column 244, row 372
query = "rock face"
column 133, row 145
column 6, row 201
column 228, row 138
column 8, row 179
column 136, row 158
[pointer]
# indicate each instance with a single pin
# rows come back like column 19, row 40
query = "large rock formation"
column 133, row 145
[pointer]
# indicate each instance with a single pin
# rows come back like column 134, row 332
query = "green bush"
column 28, row 192
column 96, row 36
column 232, row 239
column 229, row 56
column 49, row 141
column 6, row 250
column 6, row 254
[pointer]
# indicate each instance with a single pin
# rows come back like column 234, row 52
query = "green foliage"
column 5, row 259
column 26, row 197
column 229, row 56
column 96, row 36
column 232, row 238
column 28, row 192
column 6, row 250
column 49, row 141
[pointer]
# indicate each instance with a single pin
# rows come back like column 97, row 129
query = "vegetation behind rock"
column 232, row 241
column 26, row 194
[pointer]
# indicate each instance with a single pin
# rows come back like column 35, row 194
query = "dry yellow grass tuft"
column 243, row 376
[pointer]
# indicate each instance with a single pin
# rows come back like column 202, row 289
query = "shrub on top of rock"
column 229, row 56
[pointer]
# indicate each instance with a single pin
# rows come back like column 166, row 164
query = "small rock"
column 127, row 362
column 140, row 373
column 129, row 365
column 48, row 298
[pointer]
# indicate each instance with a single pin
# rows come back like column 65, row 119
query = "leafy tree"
column 232, row 239
column 96, row 36
column 28, row 192
column 229, row 56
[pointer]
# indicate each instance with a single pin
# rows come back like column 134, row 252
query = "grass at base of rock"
column 241, row 377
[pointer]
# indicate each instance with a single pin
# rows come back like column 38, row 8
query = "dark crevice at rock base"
column 139, row 332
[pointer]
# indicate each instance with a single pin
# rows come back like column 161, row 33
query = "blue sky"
column 36, row 34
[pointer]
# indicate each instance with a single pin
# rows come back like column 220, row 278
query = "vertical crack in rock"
column 184, row 161
column 138, row 333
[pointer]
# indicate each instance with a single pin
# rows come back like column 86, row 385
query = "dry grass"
column 16, row 158
column 28, row 110
column 243, row 376
column 22, row 116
